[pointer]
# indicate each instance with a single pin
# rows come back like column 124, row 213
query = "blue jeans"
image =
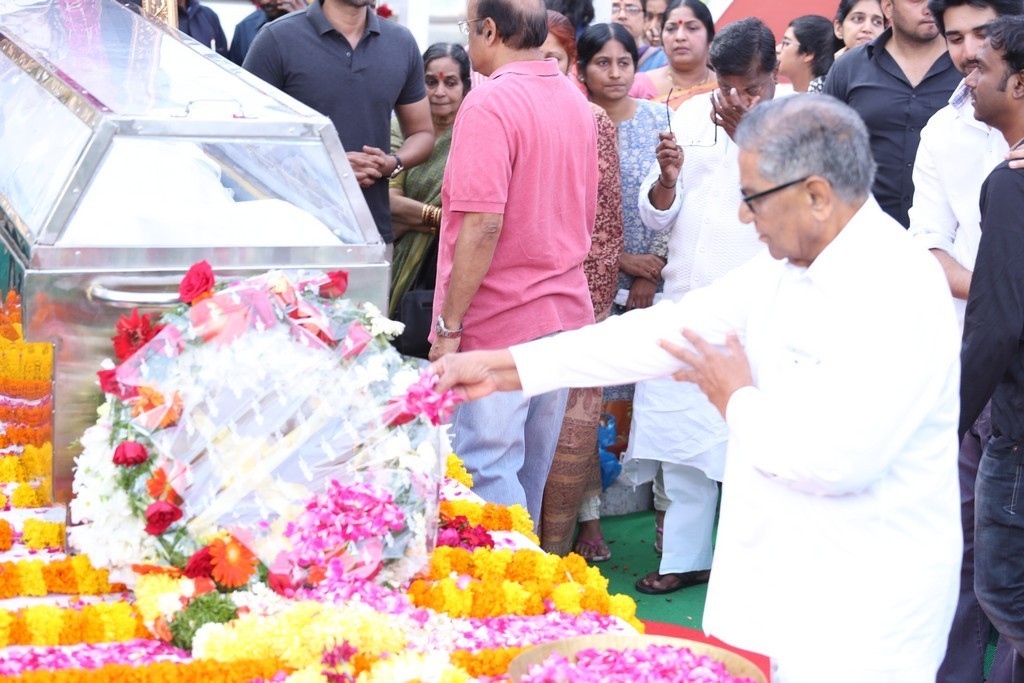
column 507, row 442
column 999, row 543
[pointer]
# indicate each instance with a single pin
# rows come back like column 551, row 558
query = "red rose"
column 197, row 284
column 160, row 515
column 200, row 564
column 133, row 332
column 336, row 286
column 384, row 12
column 130, row 453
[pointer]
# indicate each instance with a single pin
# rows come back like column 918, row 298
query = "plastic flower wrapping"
column 267, row 422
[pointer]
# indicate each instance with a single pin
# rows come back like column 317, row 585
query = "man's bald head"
column 521, row 24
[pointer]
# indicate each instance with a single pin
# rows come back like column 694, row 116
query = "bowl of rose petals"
column 614, row 658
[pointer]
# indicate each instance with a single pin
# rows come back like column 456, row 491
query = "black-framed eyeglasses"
column 751, row 198
column 464, row 25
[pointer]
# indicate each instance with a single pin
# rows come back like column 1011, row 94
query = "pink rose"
column 160, row 515
column 130, row 453
column 197, row 283
column 449, row 537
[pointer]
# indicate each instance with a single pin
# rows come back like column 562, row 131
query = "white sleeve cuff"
column 653, row 218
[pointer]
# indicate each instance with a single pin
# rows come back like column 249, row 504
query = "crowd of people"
column 776, row 237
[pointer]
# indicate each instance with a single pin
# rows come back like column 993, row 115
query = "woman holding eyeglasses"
column 687, row 30
column 575, row 472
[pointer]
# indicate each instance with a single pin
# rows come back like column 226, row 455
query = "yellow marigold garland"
column 26, row 496
column 3, row 501
column 515, row 582
column 159, row 672
column 68, row 576
column 38, row 534
column 11, row 469
column 300, row 635
column 33, row 462
column 491, row 516
column 457, row 471
column 51, row 625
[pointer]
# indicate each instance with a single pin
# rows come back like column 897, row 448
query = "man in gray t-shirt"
column 341, row 59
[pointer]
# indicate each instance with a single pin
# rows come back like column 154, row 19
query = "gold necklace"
column 672, row 81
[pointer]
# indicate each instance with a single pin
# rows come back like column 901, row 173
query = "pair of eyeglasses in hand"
column 687, row 142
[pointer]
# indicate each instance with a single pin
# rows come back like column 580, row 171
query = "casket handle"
column 129, row 299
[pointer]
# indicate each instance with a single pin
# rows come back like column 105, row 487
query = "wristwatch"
column 442, row 331
column 399, row 167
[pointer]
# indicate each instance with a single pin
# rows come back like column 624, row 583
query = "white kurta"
column 673, row 421
column 839, row 540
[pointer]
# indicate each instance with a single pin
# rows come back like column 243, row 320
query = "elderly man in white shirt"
column 673, row 422
column 956, row 154
column 839, row 539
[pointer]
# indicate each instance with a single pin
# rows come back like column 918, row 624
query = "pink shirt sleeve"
column 479, row 166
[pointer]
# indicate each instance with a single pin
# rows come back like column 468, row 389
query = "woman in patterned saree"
column 575, row 472
column 607, row 65
column 416, row 192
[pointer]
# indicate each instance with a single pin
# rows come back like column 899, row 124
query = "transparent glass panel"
column 40, row 142
column 152, row 191
column 131, row 65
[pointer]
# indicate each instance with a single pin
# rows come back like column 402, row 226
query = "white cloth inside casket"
column 171, row 194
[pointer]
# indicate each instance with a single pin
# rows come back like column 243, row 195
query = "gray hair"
column 803, row 135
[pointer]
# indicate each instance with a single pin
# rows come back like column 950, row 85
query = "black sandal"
column 686, row 580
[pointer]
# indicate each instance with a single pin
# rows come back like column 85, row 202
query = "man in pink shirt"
column 519, row 198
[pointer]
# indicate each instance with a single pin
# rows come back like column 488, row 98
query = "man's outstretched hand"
column 475, row 374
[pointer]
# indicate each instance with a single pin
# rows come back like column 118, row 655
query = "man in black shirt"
column 992, row 357
column 896, row 83
column 341, row 59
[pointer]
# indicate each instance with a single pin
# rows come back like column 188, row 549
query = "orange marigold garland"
column 160, row 672
column 68, row 576
column 51, row 625
column 485, row 663
column 6, row 535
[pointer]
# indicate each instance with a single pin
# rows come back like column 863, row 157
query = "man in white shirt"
column 956, row 154
column 695, row 195
column 839, row 539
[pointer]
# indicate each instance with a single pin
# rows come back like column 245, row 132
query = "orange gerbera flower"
column 233, row 563
column 160, row 488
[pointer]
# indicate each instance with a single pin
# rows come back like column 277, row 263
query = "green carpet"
column 631, row 539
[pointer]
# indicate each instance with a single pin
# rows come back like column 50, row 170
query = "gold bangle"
column 436, row 217
column 425, row 214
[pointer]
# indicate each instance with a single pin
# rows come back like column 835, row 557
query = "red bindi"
column 440, row 74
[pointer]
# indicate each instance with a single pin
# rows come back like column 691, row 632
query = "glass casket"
column 128, row 152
